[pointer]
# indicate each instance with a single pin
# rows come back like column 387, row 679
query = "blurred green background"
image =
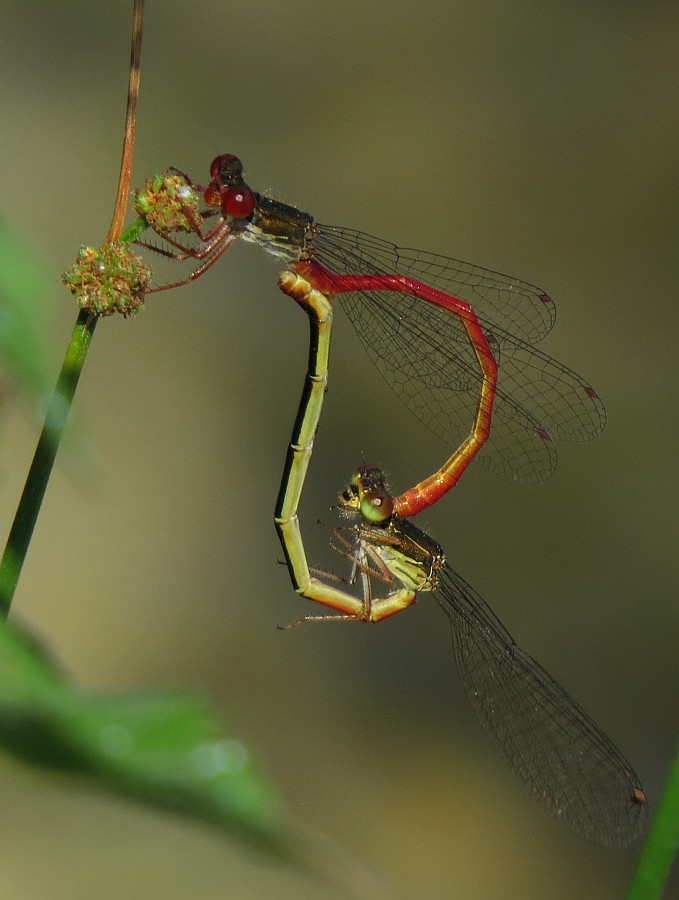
column 537, row 139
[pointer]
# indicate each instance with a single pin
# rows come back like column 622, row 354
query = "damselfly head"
column 227, row 190
column 366, row 493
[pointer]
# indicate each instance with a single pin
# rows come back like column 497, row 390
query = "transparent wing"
column 424, row 354
column 519, row 307
column 564, row 759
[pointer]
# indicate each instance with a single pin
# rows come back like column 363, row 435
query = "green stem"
column 661, row 844
column 43, row 460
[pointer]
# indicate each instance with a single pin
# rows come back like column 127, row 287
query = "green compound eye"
column 377, row 507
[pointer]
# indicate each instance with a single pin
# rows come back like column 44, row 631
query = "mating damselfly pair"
column 457, row 343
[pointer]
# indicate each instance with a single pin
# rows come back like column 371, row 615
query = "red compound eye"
column 212, row 195
column 225, row 168
column 239, row 203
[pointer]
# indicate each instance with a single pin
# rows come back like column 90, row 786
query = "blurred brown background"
column 538, row 139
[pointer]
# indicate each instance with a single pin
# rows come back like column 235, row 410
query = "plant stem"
column 661, row 844
column 134, row 78
column 43, row 460
column 76, row 353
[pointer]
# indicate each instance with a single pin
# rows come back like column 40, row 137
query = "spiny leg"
column 207, row 252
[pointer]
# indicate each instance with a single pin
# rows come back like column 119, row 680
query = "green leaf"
column 166, row 749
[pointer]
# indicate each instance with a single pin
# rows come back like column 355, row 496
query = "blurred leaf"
column 165, row 749
column 24, row 289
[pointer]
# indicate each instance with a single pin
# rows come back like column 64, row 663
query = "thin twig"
column 120, row 210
